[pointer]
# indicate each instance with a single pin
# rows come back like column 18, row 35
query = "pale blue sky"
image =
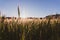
column 30, row 8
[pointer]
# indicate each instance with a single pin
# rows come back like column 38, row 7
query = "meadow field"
column 30, row 29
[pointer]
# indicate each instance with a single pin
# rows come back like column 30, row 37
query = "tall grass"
column 30, row 31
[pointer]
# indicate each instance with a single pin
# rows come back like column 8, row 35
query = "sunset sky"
column 30, row 8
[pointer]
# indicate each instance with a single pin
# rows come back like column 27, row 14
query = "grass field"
column 30, row 29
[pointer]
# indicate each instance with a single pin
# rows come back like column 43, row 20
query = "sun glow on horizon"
column 23, row 16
